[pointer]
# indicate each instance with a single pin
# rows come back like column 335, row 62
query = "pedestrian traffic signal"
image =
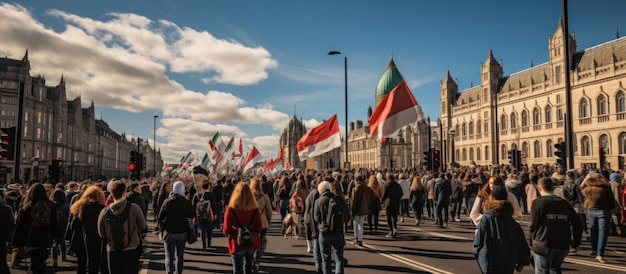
column 511, row 156
column 436, row 160
column 428, row 159
column 7, row 144
column 560, row 153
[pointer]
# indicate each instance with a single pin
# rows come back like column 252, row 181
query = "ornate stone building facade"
column 57, row 129
column 526, row 110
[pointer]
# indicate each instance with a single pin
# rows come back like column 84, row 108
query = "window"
column 471, row 155
column 486, row 152
column 457, row 155
column 503, row 122
column 478, row 125
column 621, row 102
column 464, row 154
column 585, row 145
column 478, row 154
column 549, row 147
column 604, row 142
column 513, row 120
column 559, row 114
column 622, row 143
column 471, row 128
column 524, row 118
column 464, row 130
column 525, row 149
column 602, row 107
column 537, row 150
column 548, row 114
column 583, row 109
column 486, row 127
column 503, row 152
column 536, row 117
column 557, row 75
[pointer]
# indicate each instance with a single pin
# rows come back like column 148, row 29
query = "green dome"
column 389, row 80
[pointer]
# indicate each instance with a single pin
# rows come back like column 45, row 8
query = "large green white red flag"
column 397, row 110
column 320, row 139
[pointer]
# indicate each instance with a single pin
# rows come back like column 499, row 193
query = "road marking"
column 406, row 261
column 594, row 264
column 144, row 266
column 441, row 235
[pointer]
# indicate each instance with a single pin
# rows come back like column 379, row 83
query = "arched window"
column 471, row 128
column 548, row 115
column 478, row 127
column 513, row 120
column 602, row 105
column 549, row 147
column 620, row 100
column 537, row 150
column 471, row 156
column 525, row 149
column 585, row 146
column 604, row 142
column 583, row 109
column 503, row 152
column 536, row 117
column 478, row 154
column 503, row 122
column 622, row 143
column 486, row 125
column 486, row 152
column 524, row 118
column 457, row 155
column 464, row 130
column 464, row 154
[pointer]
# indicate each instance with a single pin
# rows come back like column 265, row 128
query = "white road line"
column 406, row 261
column 144, row 266
column 594, row 264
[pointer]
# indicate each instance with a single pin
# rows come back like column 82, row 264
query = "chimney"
column 351, row 126
column 359, row 124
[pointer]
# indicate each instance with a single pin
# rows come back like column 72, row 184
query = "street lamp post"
column 154, row 146
column 346, row 164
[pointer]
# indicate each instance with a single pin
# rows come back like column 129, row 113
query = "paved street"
column 417, row 249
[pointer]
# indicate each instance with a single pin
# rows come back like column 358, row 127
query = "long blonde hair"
column 92, row 194
column 256, row 187
column 242, row 198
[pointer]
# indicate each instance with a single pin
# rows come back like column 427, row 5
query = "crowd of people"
column 104, row 224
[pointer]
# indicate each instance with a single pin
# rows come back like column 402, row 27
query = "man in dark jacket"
column 443, row 191
column 135, row 196
column 551, row 220
column 391, row 199
column 361, row 199
column 329, row 238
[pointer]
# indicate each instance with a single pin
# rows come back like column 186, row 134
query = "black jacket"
column 137, row 198
column 392, row 196
column 551, row 220
column 39, row 237
column 320, row 210
column 174, row 214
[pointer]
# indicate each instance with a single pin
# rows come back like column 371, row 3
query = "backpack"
column 116, row 228
column 245, row 236
column 62, row 218
column 296, row 204
column 40, row 214
column 334, row 218
column 204, row 211
column 563, row 193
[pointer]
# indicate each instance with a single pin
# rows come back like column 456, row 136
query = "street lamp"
column 154, row 145
column 346, row 164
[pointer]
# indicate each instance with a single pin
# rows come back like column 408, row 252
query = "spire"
column 25, row 58
column 294, row 110
column 617, row 34
column 531, row 63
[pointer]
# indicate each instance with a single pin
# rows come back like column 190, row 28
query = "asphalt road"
column 417, row 249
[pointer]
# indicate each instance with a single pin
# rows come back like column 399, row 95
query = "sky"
column 244, row 68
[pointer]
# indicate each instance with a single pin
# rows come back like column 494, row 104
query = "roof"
column 389, row 80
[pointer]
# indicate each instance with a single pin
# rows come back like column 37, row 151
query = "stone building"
column 57, row 129
column 526, row 110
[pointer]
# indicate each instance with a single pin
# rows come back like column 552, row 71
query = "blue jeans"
column 442, row 213
column 175, row 242
column 59, row 244
column 316, row 252
column 206, row 229
column 551, row 263
column 237, row 259
column 336, row 242
column 599, row 226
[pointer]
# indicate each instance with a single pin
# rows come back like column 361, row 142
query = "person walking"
column 485, row 193
column 599, row 202
column 615, row 180
column 173, row 220
column 121, row 224
column 391, row 200
column 85, row 242
column 241, row 214
column 205, row 206
column 406, row 194
column 36, row 226
column 554, row 228
column 311, row 229
column 282, row 196
column 372, row 218
column 499, row 245
column 7, row 223
column 443, row 191
column 62, row 211
column 265, row 208
column 456, row 198
column 362, row 198
column 330, row 214
column 418, row 198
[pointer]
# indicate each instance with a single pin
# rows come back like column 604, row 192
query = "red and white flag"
column 252, row 159
column 397, row 110
column 320, row 139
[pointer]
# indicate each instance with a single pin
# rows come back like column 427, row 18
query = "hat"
column 179, row 188
column 615, row 177
column 571, row 172
column 499, row 193
column 323, row 186
column 134, row 185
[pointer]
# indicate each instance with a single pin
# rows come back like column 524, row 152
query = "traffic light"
column 602, row 154
column 54, row 170
column 560, row 153
column 428, row 159
column 512, row 157
column 143, row 161
column 620, row 162
column 436, row 160
column 392, row 163
column 132, row 162
column 7, row 144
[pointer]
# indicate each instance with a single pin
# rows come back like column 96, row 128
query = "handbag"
column 191, row 234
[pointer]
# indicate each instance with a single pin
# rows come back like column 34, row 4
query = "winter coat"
column 133, row 226
column 320, row 211
column 392, row 196
column 174, row 214
column 309, row 222
column 26, row 235
column 443, row 191
column 137, row 198
column 598, row 195
column 499, row 243
column 362, row 199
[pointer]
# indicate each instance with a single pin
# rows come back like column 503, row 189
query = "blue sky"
column 241, row 67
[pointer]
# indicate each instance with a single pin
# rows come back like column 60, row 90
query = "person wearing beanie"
column 173, row 222
column 615, row 180
column 554, row 228
column 499, row 245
